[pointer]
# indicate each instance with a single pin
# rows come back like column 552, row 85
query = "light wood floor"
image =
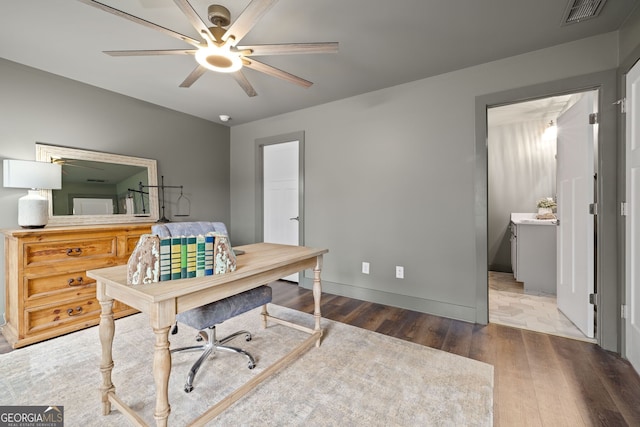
column 539, row 379
column 510, row 305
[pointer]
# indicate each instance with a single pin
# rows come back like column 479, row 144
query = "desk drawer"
column 69, row 251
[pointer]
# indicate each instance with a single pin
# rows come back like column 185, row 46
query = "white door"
column 632, row 259
column 281, row 213
column 575, row 187
column 89, row 206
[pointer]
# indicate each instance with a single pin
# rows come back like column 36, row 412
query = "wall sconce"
column 551, row 132
column 33, row 209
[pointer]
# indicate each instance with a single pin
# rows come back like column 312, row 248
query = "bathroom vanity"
column 533, row 252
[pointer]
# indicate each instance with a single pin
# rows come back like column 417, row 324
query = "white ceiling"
column 382, row 44
column 545, row 109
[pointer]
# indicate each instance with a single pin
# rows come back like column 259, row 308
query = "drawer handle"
column 78, row 310
column 80, row 281
column 74, row 252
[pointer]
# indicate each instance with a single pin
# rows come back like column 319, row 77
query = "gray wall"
column 521, row 170
column 391, row 176
column 630, row 37
column 40, row 107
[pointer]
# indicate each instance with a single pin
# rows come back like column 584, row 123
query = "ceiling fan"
column 219, row 50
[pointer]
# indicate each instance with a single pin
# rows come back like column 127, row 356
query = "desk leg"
column 161, row 371
column 317, row 292
column 106, row 331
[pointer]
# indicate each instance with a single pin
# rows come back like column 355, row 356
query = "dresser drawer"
column 119, row 307
column 62, row 315
column 67, row 251
column 132, row 241
column 47, row 289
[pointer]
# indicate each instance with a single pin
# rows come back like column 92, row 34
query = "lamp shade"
column 30, row 174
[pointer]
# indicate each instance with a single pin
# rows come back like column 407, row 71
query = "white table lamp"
column 33, row 209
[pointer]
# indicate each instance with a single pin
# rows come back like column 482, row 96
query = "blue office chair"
column 205, row 318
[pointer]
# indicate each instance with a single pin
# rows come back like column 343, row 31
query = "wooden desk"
column 261, row 264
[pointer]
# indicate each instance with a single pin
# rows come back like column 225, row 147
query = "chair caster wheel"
column 251, row 365
column 188, row 388
column 248, row 338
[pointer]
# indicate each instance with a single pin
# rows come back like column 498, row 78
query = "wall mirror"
column 100, row 188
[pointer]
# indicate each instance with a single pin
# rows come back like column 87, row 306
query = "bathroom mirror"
column 100, row 188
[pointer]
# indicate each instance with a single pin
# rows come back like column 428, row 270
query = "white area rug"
column 355, row 378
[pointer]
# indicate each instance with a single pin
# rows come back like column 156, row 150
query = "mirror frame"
column 46, row 153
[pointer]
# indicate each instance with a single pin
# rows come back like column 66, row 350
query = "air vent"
column 581, row 10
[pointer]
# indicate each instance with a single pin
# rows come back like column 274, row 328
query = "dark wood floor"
column 539, row 379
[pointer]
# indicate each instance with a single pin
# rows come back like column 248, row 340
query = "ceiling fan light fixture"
column 219, row 59
column 217, row 51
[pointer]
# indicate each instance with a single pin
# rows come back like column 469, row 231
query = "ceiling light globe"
column 218, row 59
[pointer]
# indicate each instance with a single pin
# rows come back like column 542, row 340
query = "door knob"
column 295, row 219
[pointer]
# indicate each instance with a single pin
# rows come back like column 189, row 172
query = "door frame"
column 607, row 220
column 260, row 143
column 623, row 70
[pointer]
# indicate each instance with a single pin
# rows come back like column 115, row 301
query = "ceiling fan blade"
column 193, row 76
column 194, row 18
column 244, row 83
column 289, row 48
column 150, row 52
column 247, row 19
column 141, row 21
column 275, row 72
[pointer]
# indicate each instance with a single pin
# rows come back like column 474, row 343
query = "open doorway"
column 522, row 177
column 280, row 195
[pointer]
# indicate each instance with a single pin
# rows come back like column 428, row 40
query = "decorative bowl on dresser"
column 48, row 293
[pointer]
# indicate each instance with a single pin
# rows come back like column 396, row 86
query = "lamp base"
column 33, row 210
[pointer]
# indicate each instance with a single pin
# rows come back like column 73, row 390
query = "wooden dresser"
column 47, row 291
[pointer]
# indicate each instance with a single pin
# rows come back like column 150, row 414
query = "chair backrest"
column 188, row 228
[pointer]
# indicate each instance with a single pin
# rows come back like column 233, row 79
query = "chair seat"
column 217, row 312
column 206, row 317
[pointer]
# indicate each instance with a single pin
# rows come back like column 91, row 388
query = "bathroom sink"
column 530, row 218
column 538, row 221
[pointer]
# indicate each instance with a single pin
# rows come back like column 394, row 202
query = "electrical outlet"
column 399, row 272
column 365, row 267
